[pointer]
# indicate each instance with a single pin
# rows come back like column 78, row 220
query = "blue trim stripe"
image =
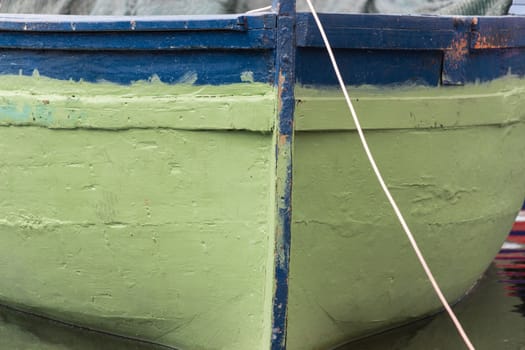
column 64, row 23
column 357, row 31
column 198, row 67
column 390, row 32
column 139, row 41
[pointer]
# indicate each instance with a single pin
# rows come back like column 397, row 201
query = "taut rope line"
column 393, row 203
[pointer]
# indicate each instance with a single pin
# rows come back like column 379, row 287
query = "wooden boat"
column 147, row 171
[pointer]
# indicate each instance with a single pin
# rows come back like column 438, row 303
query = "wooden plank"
column 378, row 31
column 388, row 32
column 63, row 23
column 283, row 136
column 382, row 67
column 137, row 33
column 123, row 67
column 497, row 33
column 129, row 40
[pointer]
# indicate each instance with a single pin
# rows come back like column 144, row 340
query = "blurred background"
column 199, row 7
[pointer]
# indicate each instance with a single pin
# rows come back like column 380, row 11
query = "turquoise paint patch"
column 80, row 105
column 14, row 113
column 26, row 114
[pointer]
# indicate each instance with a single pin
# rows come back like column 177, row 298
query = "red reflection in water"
column 511, row 262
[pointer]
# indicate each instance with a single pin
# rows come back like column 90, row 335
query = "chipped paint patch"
column 247, row 77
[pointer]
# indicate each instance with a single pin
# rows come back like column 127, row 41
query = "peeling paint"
column 247, row 77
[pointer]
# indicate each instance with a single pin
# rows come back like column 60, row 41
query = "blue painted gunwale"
column 428, row 50
column 372, row 49
column 67, row 23
column 198, row 49
column 406, row 32
column 137, row 33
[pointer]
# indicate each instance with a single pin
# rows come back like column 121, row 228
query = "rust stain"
column 280, row 84
column 283, row 139
column 495, row 41
column 459, row 48
column 457, row 51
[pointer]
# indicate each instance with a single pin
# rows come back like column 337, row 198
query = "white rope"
column 262, row 9
column 385, row 188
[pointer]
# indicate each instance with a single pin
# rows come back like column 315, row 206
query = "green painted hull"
column 160, row 225
column 454, row 160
